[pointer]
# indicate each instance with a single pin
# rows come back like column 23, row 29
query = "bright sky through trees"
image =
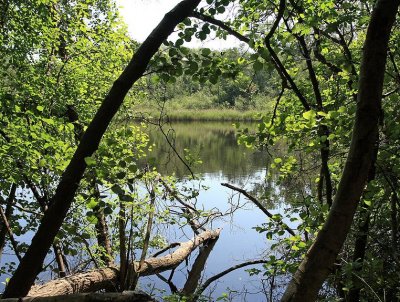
column 142, row 16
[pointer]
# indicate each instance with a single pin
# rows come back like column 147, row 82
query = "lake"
column 223, row 160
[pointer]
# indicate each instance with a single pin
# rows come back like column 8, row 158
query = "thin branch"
column 321, row 58
column 260, row 206
column 278, row 63
column 8, row 213
column 10, row 233
column 170, row 246
column 225, row 272
column 171, row 285
column 222, row 25
column 173, row 148
column 146, row 239
column 189, row 209
column 280, row 68
column 387, row 94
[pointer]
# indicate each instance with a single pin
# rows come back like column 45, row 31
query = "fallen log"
column 90, row 281
column 106, row 278
column 152, row 266
column 89, row 297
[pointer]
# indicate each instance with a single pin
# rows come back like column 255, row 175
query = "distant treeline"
column 243, row 88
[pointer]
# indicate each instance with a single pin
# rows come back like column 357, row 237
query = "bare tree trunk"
column 7, row 228
column 78, row 283
column 362, row 239
column 92, row 297
column 146, row 238
column 194, row 275
column 319, row 260
column 103, row 238
column 101, row 226
column 109, row 277
column 122, row 245
column 62, row 272
column 32, row 262
column 7, row 213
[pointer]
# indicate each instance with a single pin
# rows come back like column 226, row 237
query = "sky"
column 142, row 16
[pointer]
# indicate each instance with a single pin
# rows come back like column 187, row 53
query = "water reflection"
column 222, row 161
column 214, row 143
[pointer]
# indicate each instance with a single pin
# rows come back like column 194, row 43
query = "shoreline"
column 206, row 115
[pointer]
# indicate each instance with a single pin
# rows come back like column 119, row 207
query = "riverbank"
column 204, row 115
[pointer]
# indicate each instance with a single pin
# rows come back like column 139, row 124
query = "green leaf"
column 308, row 115
column 179, row 43
column 90, row 161
column 92, row 204
column 368, row 202
column 48, row 121
column 221, row 9
column 205, row 52
column 295, row 248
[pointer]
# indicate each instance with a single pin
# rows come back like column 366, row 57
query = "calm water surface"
column 223, row 161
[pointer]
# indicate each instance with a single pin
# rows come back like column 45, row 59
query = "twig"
column 172, row 245
column 171, row 285
column 225, row 272
column 260, row 206
column 10, row 234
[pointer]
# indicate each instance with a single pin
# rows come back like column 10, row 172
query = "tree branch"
column 222, row 25
column 260, row 206
column 203, row 287
column 108, row 277
column 31, row 263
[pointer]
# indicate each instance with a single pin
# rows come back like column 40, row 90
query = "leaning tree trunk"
column 91, row 297
column 106, row 278
column 32, row 262
column 320, row 258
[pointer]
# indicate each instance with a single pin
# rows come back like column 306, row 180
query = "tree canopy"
column 324, row 76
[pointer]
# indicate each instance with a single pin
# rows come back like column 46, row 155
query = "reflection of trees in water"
column 221, row 155
column 215, row 142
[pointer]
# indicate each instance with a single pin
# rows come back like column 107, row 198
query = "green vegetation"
column 240, row 95
column 321, row 78
column 201, row 114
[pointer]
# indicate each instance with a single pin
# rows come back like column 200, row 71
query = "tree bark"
column 103, row 239
column 78, row 283
column 109, row 277
column 361, row 241
column 92, row 297
column 197, row 269
column 6, row 226
column 320, row 258
column 8, row 212
column 32, row 262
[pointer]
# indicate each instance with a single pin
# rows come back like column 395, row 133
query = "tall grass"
column 203, row 115
column 201, row 107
